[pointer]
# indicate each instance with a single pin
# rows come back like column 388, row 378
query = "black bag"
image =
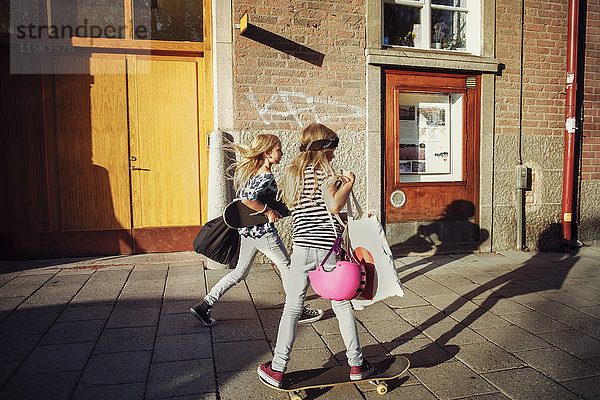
column 217, row 241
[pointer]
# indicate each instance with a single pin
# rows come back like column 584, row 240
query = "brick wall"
column 542, row 121
column 277, row 91
column 590, row 156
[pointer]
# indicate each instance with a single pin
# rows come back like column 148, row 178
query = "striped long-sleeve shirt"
column 311, row 223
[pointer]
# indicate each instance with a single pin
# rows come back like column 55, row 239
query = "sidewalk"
column 479, row 326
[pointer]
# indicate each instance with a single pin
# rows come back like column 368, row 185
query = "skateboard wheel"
column 382, row 388
column 295, row 397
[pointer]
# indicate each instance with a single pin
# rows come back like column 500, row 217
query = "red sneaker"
column 267, row 374
column 361, row 372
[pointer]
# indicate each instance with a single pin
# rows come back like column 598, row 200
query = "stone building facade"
column 328, row 62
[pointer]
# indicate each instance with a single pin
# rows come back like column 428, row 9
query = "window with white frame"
column 432, row 24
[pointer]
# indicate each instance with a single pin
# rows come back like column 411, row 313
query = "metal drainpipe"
column 570, row 122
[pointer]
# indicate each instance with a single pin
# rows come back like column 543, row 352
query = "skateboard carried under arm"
column 239, row 215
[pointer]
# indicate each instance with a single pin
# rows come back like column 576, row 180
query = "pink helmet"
column 344, row 282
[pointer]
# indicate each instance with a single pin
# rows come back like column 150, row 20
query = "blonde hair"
column 251, row 157
column 293, row 180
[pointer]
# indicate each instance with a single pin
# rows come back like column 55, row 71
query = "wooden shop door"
column 165, row 109
column 432, row 147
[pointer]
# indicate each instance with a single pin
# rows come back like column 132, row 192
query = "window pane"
column 453, row 3
column 401, row 25
column 448, row 29
column 88, row 18
column 179, row 20
column 430, row 137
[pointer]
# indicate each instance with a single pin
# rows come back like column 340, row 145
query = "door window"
column 430, row 136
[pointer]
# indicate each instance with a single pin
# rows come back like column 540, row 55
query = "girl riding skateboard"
column 310, row 190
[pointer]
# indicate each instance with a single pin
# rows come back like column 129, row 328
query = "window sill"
column 439, row 59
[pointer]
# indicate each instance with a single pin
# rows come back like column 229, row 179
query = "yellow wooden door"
column 88, row 152
column 165, row 107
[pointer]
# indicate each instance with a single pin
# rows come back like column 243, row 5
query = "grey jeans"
column 270, row 245
column 305, row 259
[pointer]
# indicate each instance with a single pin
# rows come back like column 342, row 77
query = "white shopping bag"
column 367, row 241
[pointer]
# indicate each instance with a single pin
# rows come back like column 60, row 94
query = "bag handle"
column 337, row 248
column 352, row 198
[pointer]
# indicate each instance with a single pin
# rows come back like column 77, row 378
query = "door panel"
column 164, row 131
column 91, row 145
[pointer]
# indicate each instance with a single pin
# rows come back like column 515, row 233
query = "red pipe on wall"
column 570, row 124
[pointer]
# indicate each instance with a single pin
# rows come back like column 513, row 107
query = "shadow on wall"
column 287, row 46
column 454, row 232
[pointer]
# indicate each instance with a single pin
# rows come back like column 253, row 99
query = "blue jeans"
column 305, row 259
column 270, row 245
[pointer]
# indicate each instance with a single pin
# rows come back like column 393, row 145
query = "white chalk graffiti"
column 284, row 104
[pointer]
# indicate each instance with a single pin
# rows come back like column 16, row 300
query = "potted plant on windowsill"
column 440, row 31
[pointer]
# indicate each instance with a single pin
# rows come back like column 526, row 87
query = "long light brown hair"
column 293, row 180
column 251, row 157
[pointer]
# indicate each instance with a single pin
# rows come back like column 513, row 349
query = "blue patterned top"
column 259, row 184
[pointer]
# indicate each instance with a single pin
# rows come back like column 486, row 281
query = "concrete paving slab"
column 502, row 306
column 7, row 369
column 452, row 380
column 9, row 304
column 73, row 332
column 182, row 347
column 126, row 339
column 487, row 357
column 17, row 348
column 536, row 322
column 226, row 308
column 179, row 324
column 527, row 383
column 57, row 358
column 24, row 285
column 233, row 331
column 589, row 326
column 311, row 358
column 116, row 368
column 181, row 378
column 130, row 318
column 328, row 324
column 79, row 313
column 131, row 391
column 128, row 300
column 389, row 329
column 243, row 385
column 413, row 392
column 422, row 352
column 263, row 300
column 421, row 316
column 57, row 386
column 557, row 364
column 587, row 388
column 513, row 338
column 371, row 347
column 410, row 299
column 239, row 356
column 574, row 342
column 26, row 323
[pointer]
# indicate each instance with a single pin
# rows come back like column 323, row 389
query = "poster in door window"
column 424, row 133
